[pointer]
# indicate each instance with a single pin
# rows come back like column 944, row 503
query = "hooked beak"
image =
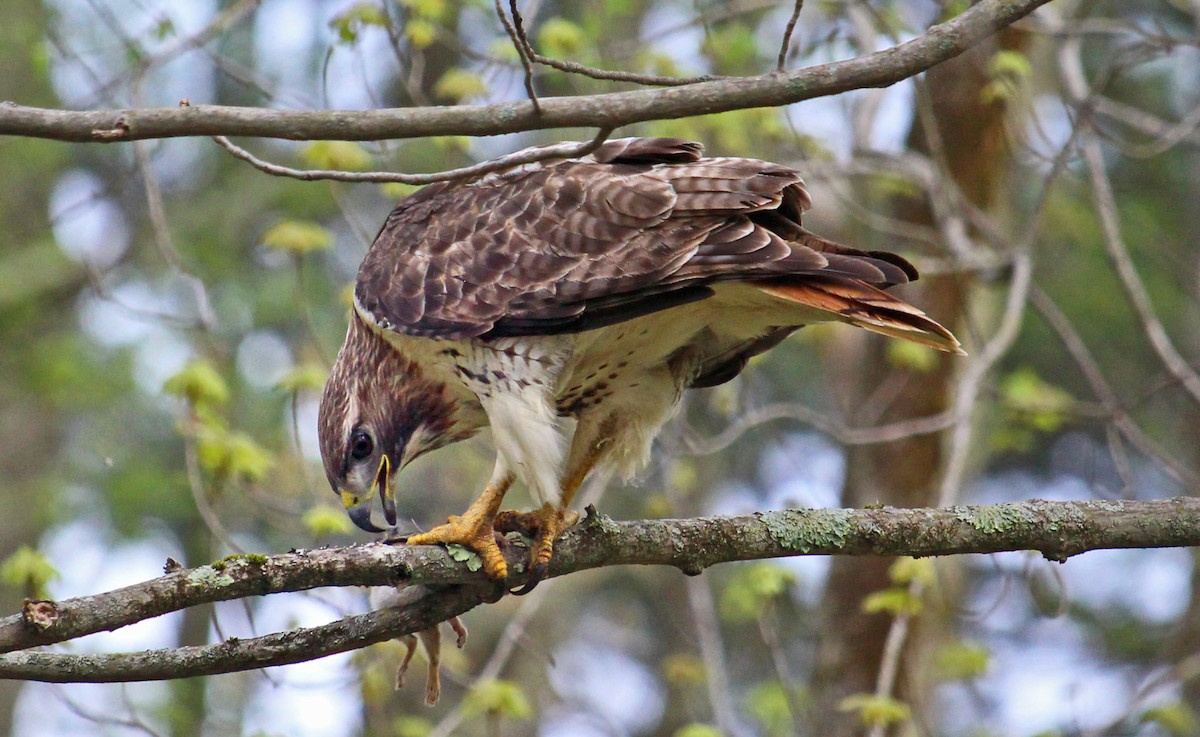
column 358, row 507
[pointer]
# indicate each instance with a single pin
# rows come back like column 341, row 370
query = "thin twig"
column 968, row 389
column 1105, row 204
column 1165, row 133
column 712, row 652
column 1090, row 369
column 786, row 44
column 105, row 716
column 145, row 63
column 526, row 156
column 1120, row 459
column 157, row 211
column 1166, row 138
column 196, row 485
column 650, row 80
column 527, row 52
column 969, row 386
column 835, row 428
column 1135, row 290
column 95, row 280
column 777, row 651
column 867, row 104
column 517, row 34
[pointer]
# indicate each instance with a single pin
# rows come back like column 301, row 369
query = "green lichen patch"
column 991, row 518
column 808, row 529
column 463, row 554
column 209, row 577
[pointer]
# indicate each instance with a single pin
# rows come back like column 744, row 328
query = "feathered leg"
column 549, row 521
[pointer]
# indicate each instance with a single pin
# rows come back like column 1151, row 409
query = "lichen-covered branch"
column 613, row 110
column 1056, row 529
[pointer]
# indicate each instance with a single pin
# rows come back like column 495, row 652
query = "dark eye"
column 361, row 445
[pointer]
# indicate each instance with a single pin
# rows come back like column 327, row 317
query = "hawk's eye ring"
column 361, row 445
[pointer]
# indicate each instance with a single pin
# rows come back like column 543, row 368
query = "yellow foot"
column 544, row 526
column 472, row 531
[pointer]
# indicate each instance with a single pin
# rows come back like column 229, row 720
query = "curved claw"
column 536, row 574
column 544, row 526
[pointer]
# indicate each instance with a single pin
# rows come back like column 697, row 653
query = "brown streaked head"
column 377, row 413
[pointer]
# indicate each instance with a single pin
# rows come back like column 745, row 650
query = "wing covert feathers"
column 867, row 307
column 640, row 225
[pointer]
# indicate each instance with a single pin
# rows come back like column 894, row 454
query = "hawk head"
column 378, row 412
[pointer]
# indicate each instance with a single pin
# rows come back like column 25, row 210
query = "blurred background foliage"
column 167, row 316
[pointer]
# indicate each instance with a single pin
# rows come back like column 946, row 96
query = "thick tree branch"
column 939, row 43
column 1056, row 529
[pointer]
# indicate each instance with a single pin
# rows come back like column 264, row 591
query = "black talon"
column 536, row 574
column 494, row 592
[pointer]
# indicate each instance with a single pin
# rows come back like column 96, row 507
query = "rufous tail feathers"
column 867, row 307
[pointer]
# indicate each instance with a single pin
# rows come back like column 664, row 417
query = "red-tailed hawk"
column 567, row 304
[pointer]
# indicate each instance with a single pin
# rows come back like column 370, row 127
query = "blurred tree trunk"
column 1185, row 642
column 28, row 422
column 974, row 149
column 187, row 706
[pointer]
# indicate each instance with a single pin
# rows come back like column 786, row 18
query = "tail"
column 861, row 304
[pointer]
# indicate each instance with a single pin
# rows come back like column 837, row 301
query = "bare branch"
column 707, row 628
column 1056, row 529
column 554, row 151
column 144, row 63
column 1090, row 369
column 1135, row 290
column 1166, row 134
column 527, row 52
column 835, row 428
column 612, row 110
column 517, row 34
column 234, row 655
column 157, row 211
column 1105, row 204
column 786, row 44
